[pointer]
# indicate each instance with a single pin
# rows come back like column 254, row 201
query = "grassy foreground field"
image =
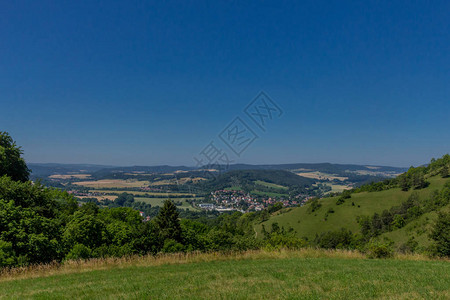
column 303, row 274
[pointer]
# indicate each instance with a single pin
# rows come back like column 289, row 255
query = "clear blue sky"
column 142, row 83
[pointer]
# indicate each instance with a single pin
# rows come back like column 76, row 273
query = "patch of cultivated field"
column 100, row 198
column 338, row 187
column 70, row 176
column 163, row 182
column 113, row 183
column 321, row 176
column 271, row 185
column 303, row 274
column 116, row 192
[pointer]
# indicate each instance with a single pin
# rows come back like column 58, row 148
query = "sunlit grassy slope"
column 309, row 224
column 306, row 274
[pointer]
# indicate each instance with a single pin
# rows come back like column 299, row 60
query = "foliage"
column 341, row 239
column 347, row 194
column 441, row 234
column 398, row 216
column 168, row 222
column 11, row 162
column 377, row 249
column 314, row 205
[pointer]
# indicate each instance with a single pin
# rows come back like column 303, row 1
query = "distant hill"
column 357, row 173
column 322, row 167
column 143, row 169
column 244, row 178
column 47, row 169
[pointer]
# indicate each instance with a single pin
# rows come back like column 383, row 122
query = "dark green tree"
column 445, row 172
column 441, row 234
column 168, row 223
column 11, row 162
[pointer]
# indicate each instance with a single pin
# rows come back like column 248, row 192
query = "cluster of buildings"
column 225, row 200
column 235, row 200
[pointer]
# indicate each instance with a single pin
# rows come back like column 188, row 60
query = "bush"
column 282, row 241
column 172, row 246
column 340, row 239
column 340, row 201
column 378, row 250
column 409, row 247
column 314, row 205
column 7, row 257
column 441, row 234
column 79, row 251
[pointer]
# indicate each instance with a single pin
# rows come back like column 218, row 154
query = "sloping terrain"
column 330, row 216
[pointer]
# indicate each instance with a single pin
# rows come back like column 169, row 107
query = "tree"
column 398, row 222
column 11, row 162
column 85, row 229
column 441, row 234
column 124, row 199
column 404, row 184
column 445, row 172
column 168, row 221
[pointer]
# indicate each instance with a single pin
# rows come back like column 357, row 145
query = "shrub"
column 378, row 250
column 314, row 205
column 79, row 251
column 7, row 257
column 441, row 234
column 340, row 201
column 172, row 246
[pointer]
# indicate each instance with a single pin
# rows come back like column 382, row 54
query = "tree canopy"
column 11, row 162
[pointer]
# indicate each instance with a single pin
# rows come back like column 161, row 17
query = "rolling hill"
column 325, row 215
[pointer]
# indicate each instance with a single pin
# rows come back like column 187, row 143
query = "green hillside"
column 330, row 216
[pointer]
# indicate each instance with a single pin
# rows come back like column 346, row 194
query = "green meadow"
column 304, row 274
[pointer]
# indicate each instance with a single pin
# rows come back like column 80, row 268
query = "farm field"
column 100, row 198
column 307, row 224
column 305, row 274
column 113, row 183
column 70, row 176
column 116, row 192
column 338, row 187
column 271, row 185
column 321, row 176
